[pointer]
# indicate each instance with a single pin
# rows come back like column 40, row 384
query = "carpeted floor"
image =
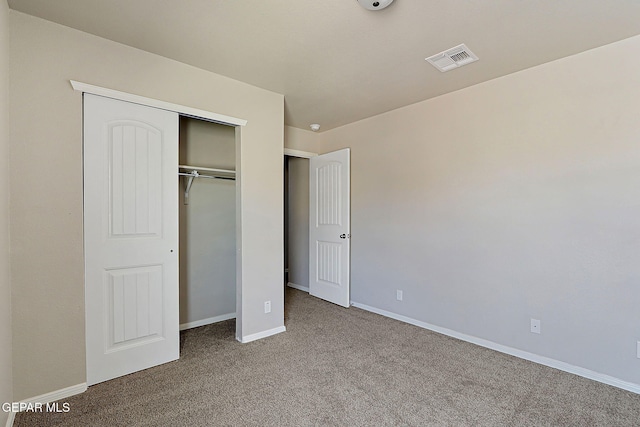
column 343, row 367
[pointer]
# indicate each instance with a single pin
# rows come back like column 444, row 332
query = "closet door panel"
column 135, row 164
column 131, row 237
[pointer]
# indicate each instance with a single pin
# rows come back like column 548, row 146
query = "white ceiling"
column 337, row 62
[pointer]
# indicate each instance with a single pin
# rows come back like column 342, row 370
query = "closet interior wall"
column 207, row 226
column 297, row 221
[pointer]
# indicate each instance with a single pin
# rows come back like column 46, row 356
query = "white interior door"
column 131, row 237
column 329, row 226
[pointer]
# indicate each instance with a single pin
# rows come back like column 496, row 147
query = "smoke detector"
column 374, row 5
column 315, row 127
column 452, row 58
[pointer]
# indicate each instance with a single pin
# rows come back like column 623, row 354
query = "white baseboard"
column 208, row 321
column 11, row 419
column 50, row 397
column 58, row 394
column 552, row 363
column 298, row 287
column 261, row 335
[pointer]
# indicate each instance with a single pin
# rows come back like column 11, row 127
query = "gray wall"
column 47, row 266
column 6, row 389
column 298, row 221
column 207, row 224
column 512, row 199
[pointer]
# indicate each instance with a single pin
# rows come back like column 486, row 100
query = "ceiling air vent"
column 452, row 58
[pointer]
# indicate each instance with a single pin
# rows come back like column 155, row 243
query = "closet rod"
column 194, row 174
column 199, row 168
column 206, row 176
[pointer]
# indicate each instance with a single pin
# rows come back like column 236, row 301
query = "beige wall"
column 300, row 139
column 46, row 202
column 207, row 224
column 5, row 278
column 509, row 200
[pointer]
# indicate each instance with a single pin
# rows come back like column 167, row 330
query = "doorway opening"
column 317, row 224
column 296, row 225
column 207, row 222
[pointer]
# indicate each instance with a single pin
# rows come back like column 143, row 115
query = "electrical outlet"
column 267, row 307
column 535, row 326
column 638, row 350
column 399, row 295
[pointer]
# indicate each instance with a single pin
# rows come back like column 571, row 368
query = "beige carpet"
column 343, row 367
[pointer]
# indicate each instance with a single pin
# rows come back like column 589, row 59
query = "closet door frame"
column 201, row 115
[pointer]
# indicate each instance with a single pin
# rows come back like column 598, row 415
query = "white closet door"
column 131, row 237
column 329, row 227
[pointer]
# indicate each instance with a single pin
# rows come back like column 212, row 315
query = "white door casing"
column 329, row 226
column 131, row 237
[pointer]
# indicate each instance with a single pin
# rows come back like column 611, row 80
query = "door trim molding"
column 163, row 105
column 299, row 153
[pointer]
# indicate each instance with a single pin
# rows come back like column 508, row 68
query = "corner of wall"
column 6, row 347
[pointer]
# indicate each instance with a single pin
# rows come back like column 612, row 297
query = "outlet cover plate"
column 535, row 326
